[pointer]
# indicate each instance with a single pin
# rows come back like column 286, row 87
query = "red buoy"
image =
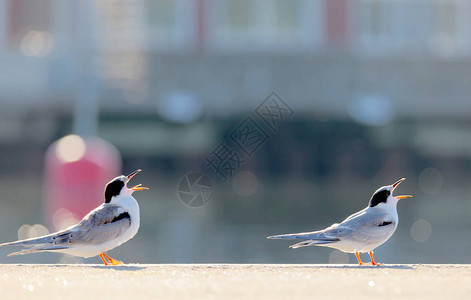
column 76, row 171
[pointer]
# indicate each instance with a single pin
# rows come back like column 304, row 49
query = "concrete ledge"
column 234, row 281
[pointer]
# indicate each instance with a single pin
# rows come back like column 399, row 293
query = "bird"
column 362, row 231
column 108, row 226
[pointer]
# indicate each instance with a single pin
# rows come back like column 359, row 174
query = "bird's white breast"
column 368, row 238
column 129, row 205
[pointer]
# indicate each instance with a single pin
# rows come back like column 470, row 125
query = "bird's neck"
column 126, row 201
column 390, row 208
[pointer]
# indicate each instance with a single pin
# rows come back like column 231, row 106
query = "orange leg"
column 372, row 260
column 113, row 261
column 103, row 259
column 358, row 258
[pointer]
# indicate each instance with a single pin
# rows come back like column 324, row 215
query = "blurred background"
column 379, row 90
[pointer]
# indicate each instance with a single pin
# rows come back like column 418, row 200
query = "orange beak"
column 139, row 188
column 394, row 187
column 136, row 187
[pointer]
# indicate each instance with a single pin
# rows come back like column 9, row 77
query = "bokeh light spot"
column 430, row 180
column 421, row 231
column 245, row 183
column 23, row 231
column 37, row 230
column 180, row 107
column 372, row 110
column 70, row 148
column 63, row 218
column 37, row 43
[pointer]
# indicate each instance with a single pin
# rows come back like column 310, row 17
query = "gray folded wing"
column 101, row 225
column 105, row 223
column 355, row 227
column 366, row 226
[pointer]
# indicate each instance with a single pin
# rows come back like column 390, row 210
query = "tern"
column 362, row 231
column 106, row 227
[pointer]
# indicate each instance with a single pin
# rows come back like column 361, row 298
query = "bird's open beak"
column 139, row 188
column 394, row 187
column 397, row 183
column 133, row 173
column 136, row 187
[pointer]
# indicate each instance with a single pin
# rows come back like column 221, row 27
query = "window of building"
column 172, row 23
column 273, row 24
column 411, row 27
column 450, row 27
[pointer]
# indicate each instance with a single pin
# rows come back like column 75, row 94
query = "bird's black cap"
column 380, row 196
column 113, row 188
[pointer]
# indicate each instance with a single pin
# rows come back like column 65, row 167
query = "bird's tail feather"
column 39, row 248
column 315, row 235
column 310, row 243
column 321, row 237
column 292, row 236
column 34, row 241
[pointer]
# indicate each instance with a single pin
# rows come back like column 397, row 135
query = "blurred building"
column 234, row 51
column 369, row 61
